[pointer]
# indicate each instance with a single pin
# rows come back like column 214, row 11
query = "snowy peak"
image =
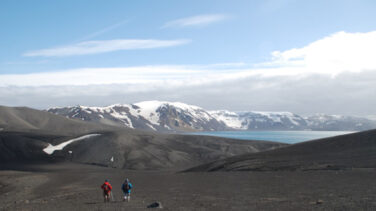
column 178, row 116
column 112, row 115
column 231, row 119
column 154, row 105
column 152, row 110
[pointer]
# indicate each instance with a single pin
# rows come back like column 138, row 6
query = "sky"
column 305, row 57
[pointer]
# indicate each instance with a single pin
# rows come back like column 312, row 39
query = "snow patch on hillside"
column 231, row 119
column 50, row 148
column 122, row 116
column 148, row 111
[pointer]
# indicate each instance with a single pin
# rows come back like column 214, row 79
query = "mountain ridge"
column 163, row 116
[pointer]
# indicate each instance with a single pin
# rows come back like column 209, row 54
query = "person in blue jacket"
column 126, row 188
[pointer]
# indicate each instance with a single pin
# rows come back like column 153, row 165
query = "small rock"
column 156, row 204
column 27, row 201
column 319, row 201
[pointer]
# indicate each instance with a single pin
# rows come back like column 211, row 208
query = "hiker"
column 106, row 190
column 126, row 188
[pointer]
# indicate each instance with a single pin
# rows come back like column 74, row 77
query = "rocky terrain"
column 174, row 116
column 77, row 187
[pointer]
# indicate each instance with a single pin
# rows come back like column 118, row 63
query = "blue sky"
column 249, row 33
column 195, row 40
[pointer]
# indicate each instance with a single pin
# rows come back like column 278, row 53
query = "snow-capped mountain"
column 338, row 122
column 149, row 115
column 175, row 116
column 256, row 120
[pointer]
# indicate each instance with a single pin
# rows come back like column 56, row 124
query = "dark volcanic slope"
column 27, row 119
column 357, row 150
column 156, row 151
column 26, row 132
column 122, row 149
column 15, row 146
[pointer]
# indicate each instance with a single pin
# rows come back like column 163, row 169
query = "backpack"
column 126, row 187
column 106, row 188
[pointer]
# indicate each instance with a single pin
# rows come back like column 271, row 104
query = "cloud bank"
column 348, row 93
column 103, row 46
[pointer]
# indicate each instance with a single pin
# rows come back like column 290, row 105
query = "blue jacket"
column 123, row 188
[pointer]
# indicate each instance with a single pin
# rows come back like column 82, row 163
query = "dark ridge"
column 357, row 150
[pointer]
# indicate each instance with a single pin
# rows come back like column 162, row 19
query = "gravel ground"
column 77, row 187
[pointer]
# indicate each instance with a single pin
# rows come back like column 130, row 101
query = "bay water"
column 290, row 137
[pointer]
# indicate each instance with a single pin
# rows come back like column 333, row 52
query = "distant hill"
column 338, row 122
column 357, row 150
column 26, row 119
column 26, row 134
column 174, row 116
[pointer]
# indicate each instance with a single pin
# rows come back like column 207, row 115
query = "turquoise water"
column 290, row 137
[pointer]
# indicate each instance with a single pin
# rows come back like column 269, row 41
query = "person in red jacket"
column 106, row 190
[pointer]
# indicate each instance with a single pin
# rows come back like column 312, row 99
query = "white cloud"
column 332, row 55
column 104, row 30
column 103, row 46
column 182, row 75
column 199, row 20
column 337, row 53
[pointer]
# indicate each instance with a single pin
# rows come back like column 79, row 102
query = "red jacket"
column 106, row 187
